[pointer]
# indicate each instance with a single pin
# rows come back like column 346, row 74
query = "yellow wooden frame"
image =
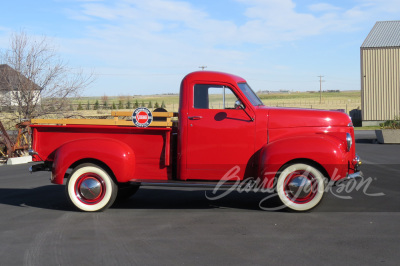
column 108, row 122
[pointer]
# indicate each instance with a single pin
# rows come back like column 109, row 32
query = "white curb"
column 19, row 160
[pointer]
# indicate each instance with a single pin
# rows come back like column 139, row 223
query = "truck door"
column 220, row 136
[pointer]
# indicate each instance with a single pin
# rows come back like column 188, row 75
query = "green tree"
column 80, row 108
column 88, row 106
column 136, row 105
column 150, row 105
column 96, row 105
column 142, row 104
column 128, row 105
column 163, row 105
column 120, row 105
column 156, row 105
column 105, row 105
column 113, row 106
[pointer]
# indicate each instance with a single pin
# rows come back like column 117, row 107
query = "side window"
column 213, row 97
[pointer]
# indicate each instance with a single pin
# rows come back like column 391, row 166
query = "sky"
column 142, row 47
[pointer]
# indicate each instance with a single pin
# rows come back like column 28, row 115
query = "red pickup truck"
column 223, row 133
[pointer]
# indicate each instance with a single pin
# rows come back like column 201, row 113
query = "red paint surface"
column 208, row 146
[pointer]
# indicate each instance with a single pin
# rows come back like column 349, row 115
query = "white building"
column 16, row 88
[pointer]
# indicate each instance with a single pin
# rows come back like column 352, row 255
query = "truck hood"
column 296, row 117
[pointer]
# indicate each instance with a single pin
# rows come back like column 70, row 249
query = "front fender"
column 118, row 156
column 327, row 151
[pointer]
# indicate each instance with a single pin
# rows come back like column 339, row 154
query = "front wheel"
column 90, row 188
column 300, row 187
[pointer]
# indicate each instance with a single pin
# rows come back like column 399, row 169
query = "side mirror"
column 239, row 105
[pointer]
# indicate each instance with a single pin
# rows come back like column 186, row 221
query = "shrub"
column 391, row 124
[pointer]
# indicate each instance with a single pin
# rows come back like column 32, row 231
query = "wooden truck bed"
column 109, row 122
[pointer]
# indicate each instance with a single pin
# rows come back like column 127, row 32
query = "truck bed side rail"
column 116, row 121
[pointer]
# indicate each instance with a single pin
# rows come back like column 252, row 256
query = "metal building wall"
column 380, row 83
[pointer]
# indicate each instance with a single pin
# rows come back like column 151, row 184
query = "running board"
column 174, row 183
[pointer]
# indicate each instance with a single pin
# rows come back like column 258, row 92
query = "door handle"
column 195, row 117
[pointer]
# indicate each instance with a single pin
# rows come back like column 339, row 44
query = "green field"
column 346, row 100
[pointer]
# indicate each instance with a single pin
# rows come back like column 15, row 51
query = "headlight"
column 349, row 141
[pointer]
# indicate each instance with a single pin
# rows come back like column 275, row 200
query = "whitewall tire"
column 90, row 188
column 300, row 187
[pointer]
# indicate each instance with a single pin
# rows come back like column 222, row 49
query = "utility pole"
column 320, row 88
column 202, row 67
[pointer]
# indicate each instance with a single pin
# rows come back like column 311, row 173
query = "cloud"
column 381, row 6
column 268, row 22
column 321, row 7
column 157, row 27
column 279, row 21
column 168, row 36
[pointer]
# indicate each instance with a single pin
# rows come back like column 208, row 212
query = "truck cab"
column 217, row 126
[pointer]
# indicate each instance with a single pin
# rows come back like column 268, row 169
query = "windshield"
column 253, row 98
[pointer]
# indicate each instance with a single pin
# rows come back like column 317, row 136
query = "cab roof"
column 214, row 76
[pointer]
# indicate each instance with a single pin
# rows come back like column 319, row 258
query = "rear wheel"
column 300, row 187
column 90, row 188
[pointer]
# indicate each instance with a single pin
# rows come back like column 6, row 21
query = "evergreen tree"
column 88, row 106
column 136, row 105
column 142, row 104
column 105, row 105
column 150, row 105
column 79, row 107
column 96, row 105
column 120, row 105
column 128, row 105
column 156, row 105
column 113, row 106
column 163, row 105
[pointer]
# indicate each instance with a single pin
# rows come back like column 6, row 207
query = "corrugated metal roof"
column 383, row 34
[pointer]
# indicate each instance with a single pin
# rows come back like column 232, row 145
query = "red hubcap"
column 90, row 188
column 300, row 186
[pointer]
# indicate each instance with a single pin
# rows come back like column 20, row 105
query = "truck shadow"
column 153, row 198
column 53, row 197
column 50, row 197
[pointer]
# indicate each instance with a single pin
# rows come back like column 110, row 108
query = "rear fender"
column 117, row 155
column 325, row 151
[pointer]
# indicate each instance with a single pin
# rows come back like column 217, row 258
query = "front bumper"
column 355, row 175
column 356, row 166
column 356, row 163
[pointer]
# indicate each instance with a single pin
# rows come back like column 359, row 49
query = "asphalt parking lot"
column 352, row 226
